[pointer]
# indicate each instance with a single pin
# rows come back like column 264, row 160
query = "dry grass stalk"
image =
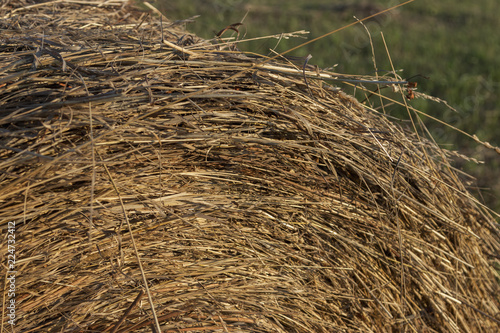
column 259, row 200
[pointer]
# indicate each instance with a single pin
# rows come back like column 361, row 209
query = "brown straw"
column 261, row 197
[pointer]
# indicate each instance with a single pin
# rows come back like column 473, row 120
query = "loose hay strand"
column 143, row 275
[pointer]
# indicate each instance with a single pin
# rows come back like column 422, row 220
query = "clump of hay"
column 255, row 197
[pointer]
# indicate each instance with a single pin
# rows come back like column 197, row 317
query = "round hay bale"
column 250, row 196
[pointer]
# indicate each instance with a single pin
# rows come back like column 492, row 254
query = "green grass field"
column 455, row 44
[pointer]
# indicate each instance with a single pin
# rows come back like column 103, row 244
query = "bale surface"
column 256, row 197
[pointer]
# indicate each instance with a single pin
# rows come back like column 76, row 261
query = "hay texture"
column 249, row 193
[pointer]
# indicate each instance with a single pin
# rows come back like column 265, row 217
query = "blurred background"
column 454, row 44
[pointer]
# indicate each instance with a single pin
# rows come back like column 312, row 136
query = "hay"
column 259, row 198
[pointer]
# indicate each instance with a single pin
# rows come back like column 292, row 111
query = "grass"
column 455, row 44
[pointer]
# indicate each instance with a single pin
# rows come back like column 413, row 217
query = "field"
column 450, row 47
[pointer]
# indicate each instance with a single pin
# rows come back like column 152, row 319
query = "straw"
column 261, row 197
